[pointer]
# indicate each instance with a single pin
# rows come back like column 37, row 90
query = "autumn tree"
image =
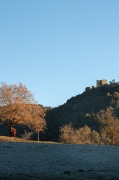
column 38, row 125
column 85, row 135
column 82, row 135
column 66, row 133
column 109, row 126
column 18, row 106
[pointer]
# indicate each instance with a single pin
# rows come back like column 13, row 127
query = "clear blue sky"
column 58, row 47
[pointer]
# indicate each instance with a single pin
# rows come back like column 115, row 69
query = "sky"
column 57, row 48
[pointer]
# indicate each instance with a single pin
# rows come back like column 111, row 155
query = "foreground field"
column 44, row 161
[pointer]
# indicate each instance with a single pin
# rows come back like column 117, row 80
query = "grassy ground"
column 33, row 160
column 15, row 139
column 12, row 139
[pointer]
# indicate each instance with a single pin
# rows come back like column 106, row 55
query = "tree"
column 38, row 125
column 85, row 135
column 112, row 82
column 109, row 126
column 17, row 105
column 82, row 135
column 95, row 137
column 66, row 133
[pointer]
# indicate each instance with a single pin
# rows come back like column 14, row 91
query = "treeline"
column 108, row 131
column 81, row 111
column 91, row 117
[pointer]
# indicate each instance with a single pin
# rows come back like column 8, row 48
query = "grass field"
column 29, row 160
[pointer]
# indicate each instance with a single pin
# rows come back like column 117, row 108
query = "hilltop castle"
column 100, row 83
column 103, row 82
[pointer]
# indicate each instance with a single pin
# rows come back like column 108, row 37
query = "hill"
column 80, row 110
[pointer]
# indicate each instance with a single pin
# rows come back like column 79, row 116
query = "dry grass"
column 16, row 139
column 12, row 139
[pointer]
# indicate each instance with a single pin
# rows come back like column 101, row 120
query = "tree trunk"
column 38, row 135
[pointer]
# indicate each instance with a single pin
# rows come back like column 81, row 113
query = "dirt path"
column 31, row 161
